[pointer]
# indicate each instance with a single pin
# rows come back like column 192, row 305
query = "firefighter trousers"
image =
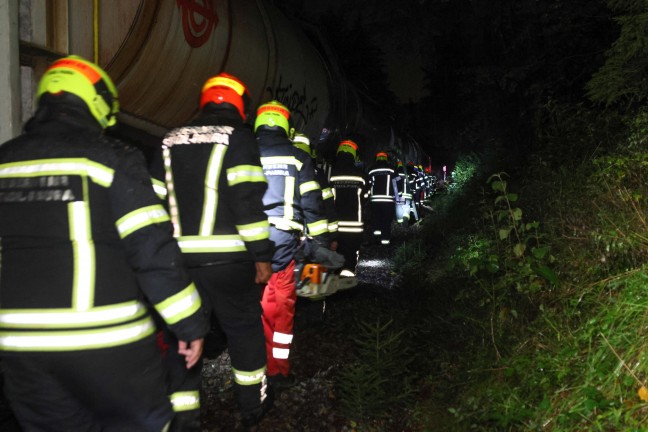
column 230, row 292
column 279, row 298
column 118, row 389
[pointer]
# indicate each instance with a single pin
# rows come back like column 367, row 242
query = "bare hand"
column 191, row 351
column 263, row 272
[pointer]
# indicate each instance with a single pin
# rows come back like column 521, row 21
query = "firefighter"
column 348, row 184
column 412, row 179
column 84, row 240
column 293, row 194
column 404, row 200
column 382, row 195
column 215, row 187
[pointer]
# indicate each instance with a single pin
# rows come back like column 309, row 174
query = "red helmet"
column 226, row 88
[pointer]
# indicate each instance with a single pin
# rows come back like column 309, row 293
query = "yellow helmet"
column 273, row 114
column 302, row 142
column 87, row 81
column 349, row 147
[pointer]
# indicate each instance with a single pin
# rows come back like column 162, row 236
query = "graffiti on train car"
column 199, row 19
column 302, row 108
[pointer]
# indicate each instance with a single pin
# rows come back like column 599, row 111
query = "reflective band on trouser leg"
column 246, row 378
column 281, row 341
column 185, row 401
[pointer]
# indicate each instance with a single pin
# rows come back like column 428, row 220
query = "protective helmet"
column 399, row 164
column 302, row 142
column 76, row 76
column 272, row 115
column 381, row 156
column 349, row 147
column 226, row 89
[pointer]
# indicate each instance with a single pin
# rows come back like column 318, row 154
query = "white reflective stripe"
column 140, row 218
column 101, row 315
column 333, row 226
column 280, row 353
column 349, row 230
column 100, row 174
column 377, row 232
column 76, row 340
column 391, row 197
column 347, row 178
column 225, row 243
column 285, row 224
column 288, row 160
column 385, row 242
column 282, row 338
column 289, row 197
column 84, row 256
column 359, row 205
column 351, row 223
column 387, row 200
column 210, row 191
column 378, row 170
column 185, row 401
column 180, row 305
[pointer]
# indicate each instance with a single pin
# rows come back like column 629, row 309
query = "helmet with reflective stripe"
column 273, row 115
column 349, row 147
column 226, row 89
column 85, row 80
column 381, row 156
column 302, row 142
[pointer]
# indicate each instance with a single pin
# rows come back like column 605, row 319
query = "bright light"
column 374, row 263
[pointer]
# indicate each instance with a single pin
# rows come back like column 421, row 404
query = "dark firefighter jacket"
column 214, row 183
column 83, row 236
column 329, row 202
column 381, row 186
column 404, row 189
column 348, row 184
column 293, row 201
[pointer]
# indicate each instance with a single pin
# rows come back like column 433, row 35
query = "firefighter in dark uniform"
column 412, row 177
column 382, row 196
column 293, row 194
column 84, row 241
column 404, row 199
column 215, row 186
column 348, row 184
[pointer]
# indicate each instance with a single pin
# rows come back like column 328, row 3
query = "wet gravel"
column 320, row 350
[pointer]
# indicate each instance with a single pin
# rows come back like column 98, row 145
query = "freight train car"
column 160, row 52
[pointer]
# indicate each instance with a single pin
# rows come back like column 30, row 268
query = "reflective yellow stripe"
column 210, row 205
column 289, row 196
column 185, row 401
column 245, row 173
column 317, row 228
column 327, row 193
column 174, row 213
column 97, row 172
column 254, row 231
column 285, row 224
column 215, row 243
column 62, row 318
column 159, row 188
column 249, row 378
column 141, row 218
column 74, row 340
column 180, row 305
column 83, row 283
column 308, row 187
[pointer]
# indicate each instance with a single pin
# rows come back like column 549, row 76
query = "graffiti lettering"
column 302, row 109
column 199, row 20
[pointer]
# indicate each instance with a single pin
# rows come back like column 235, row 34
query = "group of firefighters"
column 112, row 269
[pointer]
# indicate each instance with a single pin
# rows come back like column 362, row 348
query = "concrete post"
column 10, row 98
